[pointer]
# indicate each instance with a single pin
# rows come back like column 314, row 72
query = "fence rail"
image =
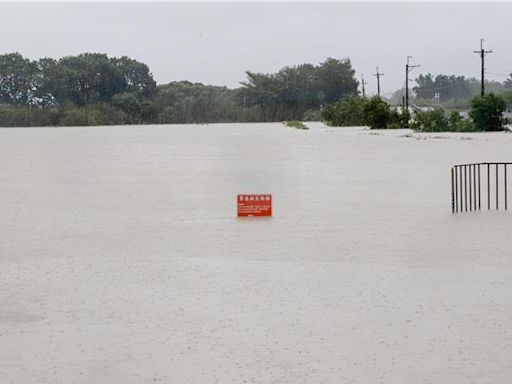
column 467, row 186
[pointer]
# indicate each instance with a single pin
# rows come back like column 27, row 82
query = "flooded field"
column 122, row 259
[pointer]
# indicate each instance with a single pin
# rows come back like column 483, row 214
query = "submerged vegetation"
column 438, row 120
column 358, row 111
column 487, row 112
column 296, row 124
column 486, row 115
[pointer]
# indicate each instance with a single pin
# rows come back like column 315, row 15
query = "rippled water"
column 122, row 259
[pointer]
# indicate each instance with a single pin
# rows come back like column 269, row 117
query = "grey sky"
column 215, row 43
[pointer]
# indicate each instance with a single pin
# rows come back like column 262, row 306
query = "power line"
column 408, row 68
column 400, row 97
column 482, row 54
column 363, row 84
column 378, row 81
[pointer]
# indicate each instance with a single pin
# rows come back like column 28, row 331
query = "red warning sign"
column 254, row 205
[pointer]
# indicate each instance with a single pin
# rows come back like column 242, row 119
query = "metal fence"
column 470, row 191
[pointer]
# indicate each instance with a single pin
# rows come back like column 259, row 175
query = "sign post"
column 254, row 205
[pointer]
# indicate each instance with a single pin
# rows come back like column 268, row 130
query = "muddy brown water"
column 122, row 259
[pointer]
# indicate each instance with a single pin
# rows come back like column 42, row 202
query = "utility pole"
column 408, row 68
column 363, row 84
column 378, row 81
column 482, row 53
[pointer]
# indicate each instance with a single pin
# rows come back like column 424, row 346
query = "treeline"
column 88, row 89
column 450, row 91
column 86, row 79
column 293, row 91
column 445, row 87
column 94, row 89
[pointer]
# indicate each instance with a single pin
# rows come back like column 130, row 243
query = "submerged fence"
column 469, row 191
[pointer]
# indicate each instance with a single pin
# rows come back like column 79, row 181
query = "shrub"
column 487, row 112
column 356, row 111
column 507, row 96
column 11, row 116
column 14, row 116
column 377, row 113
column 457, row 123
column 312, row 115
column 399, row 119
column 74, row 117
column 296, row 124
column 346, row 112
column 97, row 114
column 438, row 121
column 430, row 121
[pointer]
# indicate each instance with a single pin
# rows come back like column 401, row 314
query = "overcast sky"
column 215, row 43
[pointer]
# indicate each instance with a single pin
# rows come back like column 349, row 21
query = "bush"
column 377, row 113
column 430, row 121
column 13, row 116
column 312, row 115
column 398, row 119
column 346, row 112
column 97, row 114
column 68, row 114
column 356, row 111
column 74, row 117
column 405, row 118
column 438, row 121
column 507, row 96
column 296, row 124
column 456, row 123
column 487, row 112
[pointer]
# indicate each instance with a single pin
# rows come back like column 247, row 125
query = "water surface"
column 122, row 259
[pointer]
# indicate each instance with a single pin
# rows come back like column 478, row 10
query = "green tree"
column 337, row 79
column 487, row 112
column 438, row 120
column 290, row 92
column 298, row 89
column 507, row 96
column 148, row 112
column 430, row 121
column 46, row 75
column 349, row 111
column 446, row 87
column 425, row 88
column 18, row 80
column 263, row 90
column 91, row 78
column 508, row 82
column 186, row 102
column 84, row 79
column 129, row 103
column 377, row 113
column 136, row 76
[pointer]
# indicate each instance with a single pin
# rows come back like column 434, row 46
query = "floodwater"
column 122, row 259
